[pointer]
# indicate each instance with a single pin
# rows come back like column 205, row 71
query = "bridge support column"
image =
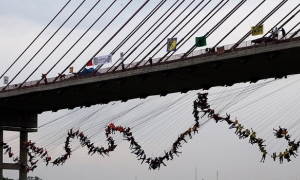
column 23, row 123
column 1, row 154
column 23, row 154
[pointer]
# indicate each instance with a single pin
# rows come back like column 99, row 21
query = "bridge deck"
column 204, row 71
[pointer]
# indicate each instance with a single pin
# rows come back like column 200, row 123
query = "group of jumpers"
column 242, row 132
column 34, row 152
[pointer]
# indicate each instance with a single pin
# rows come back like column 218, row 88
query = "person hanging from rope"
column 47, row 160
column 237, row 128
column 205, row 111
column 280, row 157
column 189, row 132
column 227, row 119
column 263, row 156
column 167, row 155
column 292, row 153
column 203, row 105
column 196, row 112
column 16, row 159
column 8, row 150
column 148, row 160
column 287, row 137
column 143, row 158
column 195, row 129
column 181, row 138
column 296, row 146
column 239, row 131
column 107, row 131
column 175, row 152
column 31, row 157
column 161, row 159
column 210, row 113
column 44, row 154
column 30, row 168
column 141, row 153
column 245, row 133
column 10, row 154
column 195, row 105
column 286, row 155
column 260, row 142
column 171, row 155
column 56, row 161
column 252, row 138
column 34, row 163
column 217, row 118
column 274, row 156
column 278, row 133
column 234, row 124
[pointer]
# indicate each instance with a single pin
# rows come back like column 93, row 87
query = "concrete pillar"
column 23, row 154
column 1, row 153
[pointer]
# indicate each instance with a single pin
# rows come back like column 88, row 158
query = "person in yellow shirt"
column 286, row 155
column 274, row 156
column 263, row 156
column 280, row 157
column 252, row 137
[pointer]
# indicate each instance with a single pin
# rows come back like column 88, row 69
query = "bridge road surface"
column 204, row 71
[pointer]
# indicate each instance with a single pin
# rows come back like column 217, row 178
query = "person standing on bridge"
column 275, row 33
column 283, row 33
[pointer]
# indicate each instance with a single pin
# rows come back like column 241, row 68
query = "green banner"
column 200, row 41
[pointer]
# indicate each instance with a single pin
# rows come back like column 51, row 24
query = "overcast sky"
column 214, row 149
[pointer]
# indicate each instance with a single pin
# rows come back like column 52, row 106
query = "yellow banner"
column 71, row 69
column 257, row 30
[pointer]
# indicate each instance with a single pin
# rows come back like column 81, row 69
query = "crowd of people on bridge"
column 199, row 105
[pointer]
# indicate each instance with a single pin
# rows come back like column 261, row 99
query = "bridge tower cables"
column 134, row 30
column 152, row 56
column 152, row 26
column 77, row 41
column 44, row 45
column 215, row 27
column 167, row 17
column 115, row 17
column 118, row 31
column 44, row 76
column 261, row 22
column 36, row 38
column 162, row 58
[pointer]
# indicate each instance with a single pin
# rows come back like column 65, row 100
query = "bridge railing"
column 176, row 57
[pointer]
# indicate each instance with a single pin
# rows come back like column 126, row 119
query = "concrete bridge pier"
column 23, row 123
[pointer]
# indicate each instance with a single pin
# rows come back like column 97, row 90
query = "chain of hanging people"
column 199, row 105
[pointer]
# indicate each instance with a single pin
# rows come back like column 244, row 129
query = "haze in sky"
column 214, row 149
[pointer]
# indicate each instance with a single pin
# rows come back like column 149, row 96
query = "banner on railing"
column 71, row 69
column 102, row 60
column 200, row 41
column 171, row 44
column 257, row 30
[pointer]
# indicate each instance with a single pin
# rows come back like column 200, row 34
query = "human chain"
column 155, row 162
column 242, row 132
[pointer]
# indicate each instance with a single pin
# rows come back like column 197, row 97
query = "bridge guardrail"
column 198, row 53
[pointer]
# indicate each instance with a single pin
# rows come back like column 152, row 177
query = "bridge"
column 250, row 63
column 196, row 69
